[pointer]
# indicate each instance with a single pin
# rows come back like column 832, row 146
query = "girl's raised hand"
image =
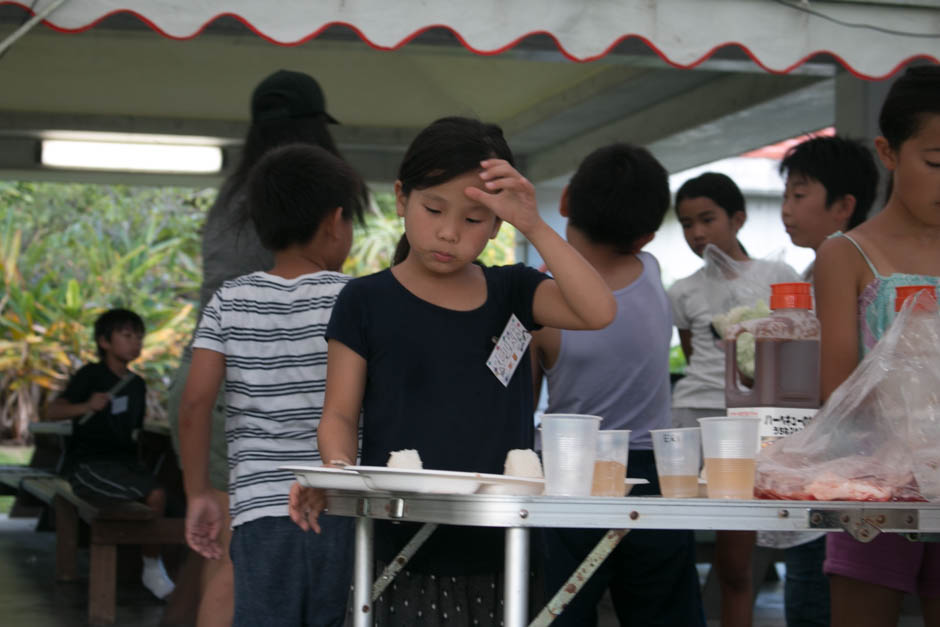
column 508, row 194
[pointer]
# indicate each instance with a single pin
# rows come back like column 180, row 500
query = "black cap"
column 286, row 94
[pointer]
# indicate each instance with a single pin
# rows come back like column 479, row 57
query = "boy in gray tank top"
column 614, row 204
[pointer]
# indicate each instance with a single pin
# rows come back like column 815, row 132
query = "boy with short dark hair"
column 106, row 403
column 615, row 203
column 263, row 334
column 830, row 187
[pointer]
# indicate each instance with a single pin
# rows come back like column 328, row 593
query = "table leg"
column 516, row 585
column 362, row 574
column 590, row 564
column 391, row 571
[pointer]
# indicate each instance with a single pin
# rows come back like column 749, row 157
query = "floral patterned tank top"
column 876, row 302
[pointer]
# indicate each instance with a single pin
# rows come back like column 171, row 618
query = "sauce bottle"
column 903, row 292
column 785, row 393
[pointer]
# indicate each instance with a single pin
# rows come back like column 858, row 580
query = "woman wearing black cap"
column 286, row 107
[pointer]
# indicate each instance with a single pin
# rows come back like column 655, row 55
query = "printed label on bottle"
column 776, row 422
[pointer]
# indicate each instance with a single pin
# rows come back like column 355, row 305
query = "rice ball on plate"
column 407, row 459
column 523, row 462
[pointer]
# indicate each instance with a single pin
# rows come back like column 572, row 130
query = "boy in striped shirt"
column 263, row 333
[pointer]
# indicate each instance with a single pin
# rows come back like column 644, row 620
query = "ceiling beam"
column 700, row 105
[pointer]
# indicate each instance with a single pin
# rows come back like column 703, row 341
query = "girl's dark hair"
column 264, row 136
column 115, row 320
column 718, row 188
column 293, row 188
column 444, row 150
column 267, row 134
column 447, row 148
column 913, row 96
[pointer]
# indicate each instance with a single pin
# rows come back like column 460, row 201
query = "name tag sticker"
column 509, row 350
column 118, row 405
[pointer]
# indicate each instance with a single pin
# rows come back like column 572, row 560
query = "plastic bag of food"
column 740, row 290
column 878, row 436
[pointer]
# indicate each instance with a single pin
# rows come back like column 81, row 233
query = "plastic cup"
column 730, row 444
column 610, row 462
column 568, row 442
column 678, row 455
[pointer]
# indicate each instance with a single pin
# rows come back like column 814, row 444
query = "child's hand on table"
column 305, row 505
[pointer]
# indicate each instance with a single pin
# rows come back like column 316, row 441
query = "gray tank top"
column 620, row 373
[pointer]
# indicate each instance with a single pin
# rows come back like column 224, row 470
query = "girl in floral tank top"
column 856, row 277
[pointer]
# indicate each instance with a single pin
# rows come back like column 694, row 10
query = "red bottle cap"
column 791, row 296
column 921, row 304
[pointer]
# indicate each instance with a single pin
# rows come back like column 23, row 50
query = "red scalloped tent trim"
column 404, row 41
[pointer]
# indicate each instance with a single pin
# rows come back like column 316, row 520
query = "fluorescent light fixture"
column 131, row 156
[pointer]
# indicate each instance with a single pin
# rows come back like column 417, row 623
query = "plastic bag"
column 739, row 291
column 878, row 436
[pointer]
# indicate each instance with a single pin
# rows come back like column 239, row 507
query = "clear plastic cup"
column 610, row 462
column 678, row 455
column 568, row 442
column 730, row 444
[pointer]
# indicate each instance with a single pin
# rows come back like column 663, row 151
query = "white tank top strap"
column 871, row 266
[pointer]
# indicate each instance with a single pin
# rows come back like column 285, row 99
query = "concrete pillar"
column 858, row 103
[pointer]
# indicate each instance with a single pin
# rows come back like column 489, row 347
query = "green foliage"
column 676, row 360
column 70, row 252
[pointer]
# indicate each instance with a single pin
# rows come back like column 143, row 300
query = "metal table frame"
column 517, row 514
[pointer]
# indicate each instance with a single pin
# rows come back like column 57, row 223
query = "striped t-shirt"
column 271, row 331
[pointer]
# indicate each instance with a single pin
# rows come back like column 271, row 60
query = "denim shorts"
column 287, row 577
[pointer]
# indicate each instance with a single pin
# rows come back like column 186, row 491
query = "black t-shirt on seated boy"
column 108, row 434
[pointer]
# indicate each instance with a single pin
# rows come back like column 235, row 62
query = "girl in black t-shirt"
column 408, row 347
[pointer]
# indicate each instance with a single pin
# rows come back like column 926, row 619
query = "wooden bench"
column 109, row 526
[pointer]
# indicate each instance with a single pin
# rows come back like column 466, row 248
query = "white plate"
column 508, row 484
column 423, row 481
column 327, row 478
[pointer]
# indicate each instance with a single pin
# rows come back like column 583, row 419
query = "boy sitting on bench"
column 106, row 403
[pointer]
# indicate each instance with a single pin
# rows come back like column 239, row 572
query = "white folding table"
column 518, row 514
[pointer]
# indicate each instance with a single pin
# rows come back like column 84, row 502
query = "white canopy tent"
column 695, row 80
column 778, row 35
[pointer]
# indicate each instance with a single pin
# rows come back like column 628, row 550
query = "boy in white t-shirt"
column 711, row 210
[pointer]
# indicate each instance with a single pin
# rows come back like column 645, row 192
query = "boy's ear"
column 400, row 200
column 336, row 220
column 842, row 209
column 738, row 220
column 563, row 204
column 885, row 153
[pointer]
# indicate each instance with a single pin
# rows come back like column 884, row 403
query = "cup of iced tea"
column 730, row 444
column 610, row 462
column 568, row 442
column 678, row 455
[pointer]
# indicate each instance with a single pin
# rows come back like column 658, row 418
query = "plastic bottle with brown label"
column 785, row 391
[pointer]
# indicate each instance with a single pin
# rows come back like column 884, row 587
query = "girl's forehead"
column 452, row 191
